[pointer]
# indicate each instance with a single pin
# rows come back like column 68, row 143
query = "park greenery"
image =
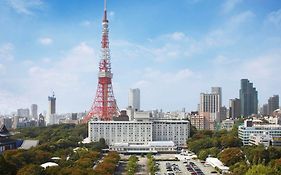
column 58, row 141
column 131, row 167
column 152, row 168
column 108, row 164
column 226, row 146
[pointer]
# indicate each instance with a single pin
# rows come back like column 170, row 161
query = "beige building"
column 211, row 103
column 203, row 120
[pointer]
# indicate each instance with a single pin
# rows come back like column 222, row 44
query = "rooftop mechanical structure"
column 104, row 106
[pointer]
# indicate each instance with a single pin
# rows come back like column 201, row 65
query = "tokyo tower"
column 104, row 106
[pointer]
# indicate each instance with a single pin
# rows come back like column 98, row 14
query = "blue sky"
column 171, row 50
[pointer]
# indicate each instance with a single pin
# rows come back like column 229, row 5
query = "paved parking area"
column 206, row 169
column 182, row 166
column 163, row 170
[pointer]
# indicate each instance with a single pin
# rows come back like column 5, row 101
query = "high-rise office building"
column 249, row 98
column 211, row 103
column 52, row 104
column 34, row 111
column 23, row 112
column 217, row 90
column 52, row 110
column 234, row 108
column 134, row 99
column 273, row 104
column 223, row 113
column 264, row 110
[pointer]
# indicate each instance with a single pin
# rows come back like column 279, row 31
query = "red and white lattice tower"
column 104, row 106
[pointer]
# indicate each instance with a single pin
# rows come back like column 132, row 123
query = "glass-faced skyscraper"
column 248, row 98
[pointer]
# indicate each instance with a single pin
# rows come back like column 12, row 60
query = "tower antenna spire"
column 105, row 13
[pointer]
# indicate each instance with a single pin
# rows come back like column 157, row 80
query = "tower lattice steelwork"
column 104, row 106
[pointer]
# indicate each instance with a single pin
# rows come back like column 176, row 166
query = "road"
column 142, row 166
column 121, row 169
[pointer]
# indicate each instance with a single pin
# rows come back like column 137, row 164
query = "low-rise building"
column 248, row 128
column 214, row 162
column 264, row 139
column 260, row 139
column 150, row 147
column 227, row 124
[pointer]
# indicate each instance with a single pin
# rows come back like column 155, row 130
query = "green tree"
column 102, row 143
column 261, row 169
column 200, row 144
column 214, row 151
column 54, row 170
column 30, row 169
column 257, row 155
column 203, row 154
column 276, row 164
column 239, row 168
column 230, row 141
column 84, row 163
column 132, row 165
column 6, row 168
column 74, row 171
column 151, row 164
column 231, row 156
column 193, row 130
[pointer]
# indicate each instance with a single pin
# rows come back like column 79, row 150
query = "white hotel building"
column 142, row 134
column 244, row 131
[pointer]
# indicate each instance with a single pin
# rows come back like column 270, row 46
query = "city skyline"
column 172, row 52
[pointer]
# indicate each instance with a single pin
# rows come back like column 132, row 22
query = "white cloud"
column 264, row 67
column 167, row 89
column 6, row 52
column 68, row 76
column 177, row 36
column 178, row 45
column 2, row 69
column 46, row 60
column 111, row 15
column 228, row 33
column 151, row 75
column 45, row 41
column 261, row 69
column 275, row 18
column 222, row 60
column 229, row 5
column 239, row 19
column 25, row 6
column 72, row 76
column 87, row 23
column 9, row 101
column 141, row 84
